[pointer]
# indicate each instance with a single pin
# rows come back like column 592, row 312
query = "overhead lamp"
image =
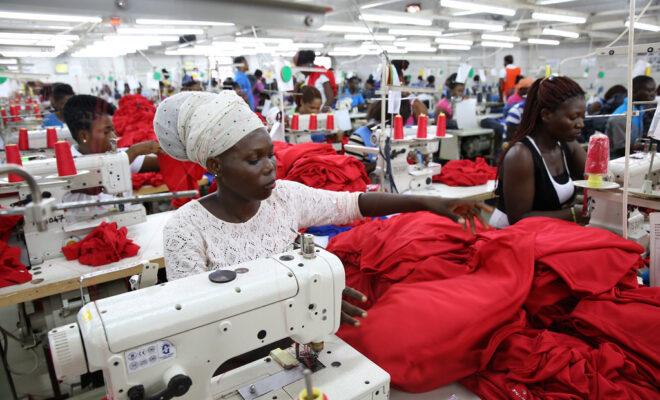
column 548, row 2
column 160, row 31
column 559, row 18
column 48, row 17
column 432, row 58
column 263, row 40
column 415, row 32
column 454, row 47
column 343, row 54
column 464, row 13
column 8, row 61
column 413, row 8
column 380, row 38
column 484, row 8
column 500, row 38
column 547, row 42
column 377, row 4
column 166, row 22
column 31, row 54
column 396, row 18
column 31, row 42
column 558, row 32
column 38, row 36
column 454, row 41
column 163, row 38
column 296, row 46
column 344, row 28
column 504, row 45
column 476, row 26
column 644, row 27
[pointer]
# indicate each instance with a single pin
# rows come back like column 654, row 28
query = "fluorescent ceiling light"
column 559, row 18
column 296, row 46
column 38, row 36
column 8, row 61
column 160, row 31
column 30, row 42
column 343, row 54
column 377, row 4
column 432, row 58
column 148, row 21
column 380, row 38
column 48, row 17
column 454, row 41
column 31, row 54
column 263, row 40
column 395, row 18
column 505, row 45
column 501, row 38
column 454, row 47
column 464, row 13
column 543, row 41
column 476, row 26
column 557, row 32
column 484, row 8
column 344, row 28
column 414, row 32
column 547, row 2
column 164, row 38
column 644, row 27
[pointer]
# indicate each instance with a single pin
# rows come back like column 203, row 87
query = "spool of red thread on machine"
column 398, row 127
column 15, row 112
column 65, row 164
column 3, row 113
column 330, row 122
column 598, row 158
column 313, row 122
column 441, row 125
column 13, row 157
column 422, row 126
column 51, row 137
column 23, row 141
column 295, row 122
column 37, row 111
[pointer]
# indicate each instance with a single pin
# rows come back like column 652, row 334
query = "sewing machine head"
column 172, row 337
column 639, row 164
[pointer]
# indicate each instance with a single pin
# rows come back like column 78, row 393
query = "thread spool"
column 598, row 157
column 330, row 122
column 65, row 164
column 441, row 125
column 3, row 113
column 313, row 123
column 37, row 111
column 51, row 137
column 398, row 127
column 422, row 126
column 15, row 112
column 316, row 395
column 295, row 122
column 13, row 156
column 23, row 140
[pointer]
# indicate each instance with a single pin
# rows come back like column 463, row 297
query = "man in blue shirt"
column 643, row 90
column 353, row 91
column 241, row 78
column 61, row 92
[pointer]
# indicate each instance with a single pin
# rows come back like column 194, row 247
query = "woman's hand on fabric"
column 460, row 211
column 144, row 148
column 348, row 310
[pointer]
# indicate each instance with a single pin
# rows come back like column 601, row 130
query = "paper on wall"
column 463, row 73
column 465, row 114
column 640, row 68
column 394, row 103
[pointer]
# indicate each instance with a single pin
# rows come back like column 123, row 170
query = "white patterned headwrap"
column 196, row 126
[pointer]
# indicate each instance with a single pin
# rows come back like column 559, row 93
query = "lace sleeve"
column 185, row 249
column 317, row 207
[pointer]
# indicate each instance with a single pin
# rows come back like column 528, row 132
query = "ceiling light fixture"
column 344, row 28
column 414, row 32
column 454, row 41
column 48, row 17
column 263, row 40
column 484, row 8
column 413, row 8
column 380, row 38
column 559, row 18
column 558, row 32
column 8, row 61
column 476, row 26
column 547, row 42
column 504, row 45
column 160, row 31
column 644, row 27
column 149, row 21
column 453, row 47
column 501, row 38
column 396, row 18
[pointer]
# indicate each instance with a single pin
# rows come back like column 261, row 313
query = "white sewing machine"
column 37, row 137
column 167, row 340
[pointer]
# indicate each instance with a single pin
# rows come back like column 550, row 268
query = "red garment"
column 133, row 120
column 180, row 175
column 12, row 271
column 311, row 80
column 104, row 245
column 7, row 224
column 147, row 178
column 287, row 155
column 330, row 172
column 466, row 173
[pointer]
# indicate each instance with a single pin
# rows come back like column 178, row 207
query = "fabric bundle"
column 466, row 173
column 133, row 120
column 104, row 245
column 12, row 271
column 147, row 179
column 330, row 172
column 287, row 155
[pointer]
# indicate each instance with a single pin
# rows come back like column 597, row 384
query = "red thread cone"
column 295, row 122
column 398, row 127
column 65, row 164
column 330, row 122
column 23, row 141
column 51, row 137
column 313, row 123
column 13, row 156
column 441, row 125
column 422, row 125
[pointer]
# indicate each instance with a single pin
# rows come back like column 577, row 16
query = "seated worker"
column 643, row 88
column 60, row 93
column 537, row 171
column 352, row 90
column 454, row 90
column 252, row 215
column 324, row 82
column 522, row 87
column 240, row 77
column 309, row 102
column 191, row 85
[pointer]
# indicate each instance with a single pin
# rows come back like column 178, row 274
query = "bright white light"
column 559, row 18
column 432, row 58
column 454, row 41
column 38, row 36
column 396, row 19
column 501, row 38
column 453, row 47
column 263, row 40
column 504, row 45
column 644, row 27
column 31, row 54
column 375, row 4
column 30, row 42
column 547, row 42
column 344, row 28
column 557, row 32
column 8, row 61
column 48, row 17
column 468, row 6
column 297, row 46
column 464, row 13
column 164, row 38
column 160, row 31
column 476, row 26
column 414, row 32
column 148, row 21
column 380, row 38
column 343, row 53
column 547, row 2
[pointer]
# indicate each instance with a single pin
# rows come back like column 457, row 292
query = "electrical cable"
column 5, row 336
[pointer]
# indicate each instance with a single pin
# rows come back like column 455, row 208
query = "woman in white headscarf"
column 251, row 215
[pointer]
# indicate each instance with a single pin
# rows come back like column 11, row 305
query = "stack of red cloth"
column 134, row 120
column 466, row 173
column 147, row 178
column 12, row 271
column 543, row 309
column 287, row 155
column 104, row 245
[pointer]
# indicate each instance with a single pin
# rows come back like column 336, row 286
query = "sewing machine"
column 167, row 340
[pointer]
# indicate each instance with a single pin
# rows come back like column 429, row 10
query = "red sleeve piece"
column 330, row 172
column 12, row 271
column 466, row 173
column 104, row 245
column 180, row 175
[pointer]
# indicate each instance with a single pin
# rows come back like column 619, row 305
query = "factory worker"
column 323, row 81
column 252, row 215
column 537, row 172
column 455, row 90
column 61, row 92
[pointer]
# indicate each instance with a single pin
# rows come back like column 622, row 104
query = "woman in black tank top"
column 544, row 149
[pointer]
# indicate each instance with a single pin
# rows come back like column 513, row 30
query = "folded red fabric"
column 147, row 178
column 466, row 173
column 133, row 120
column 12, row 271
column 330, row 172
column 7, row 224
column 287, row 155
column 179, row 176
column 104, row 245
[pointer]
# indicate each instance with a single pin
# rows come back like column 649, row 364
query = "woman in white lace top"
column 251, row 215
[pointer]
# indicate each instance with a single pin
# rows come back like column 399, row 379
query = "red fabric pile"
column 466, row 173
column 330, row 172
column 543, row 309
column 287, row 155
column 179, row 176
column 12, row 271
column 147, row 178
column 134, row 120
column 104, row 245
column 7, row 224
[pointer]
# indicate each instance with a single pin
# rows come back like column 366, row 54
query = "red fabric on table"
column 104, row 245
column 330, row 172
column 7, row 224
column 180, row 175
column 287, row 155
column 12, row 271
column 466, row 173
column 146, row 178
column 134, row 120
